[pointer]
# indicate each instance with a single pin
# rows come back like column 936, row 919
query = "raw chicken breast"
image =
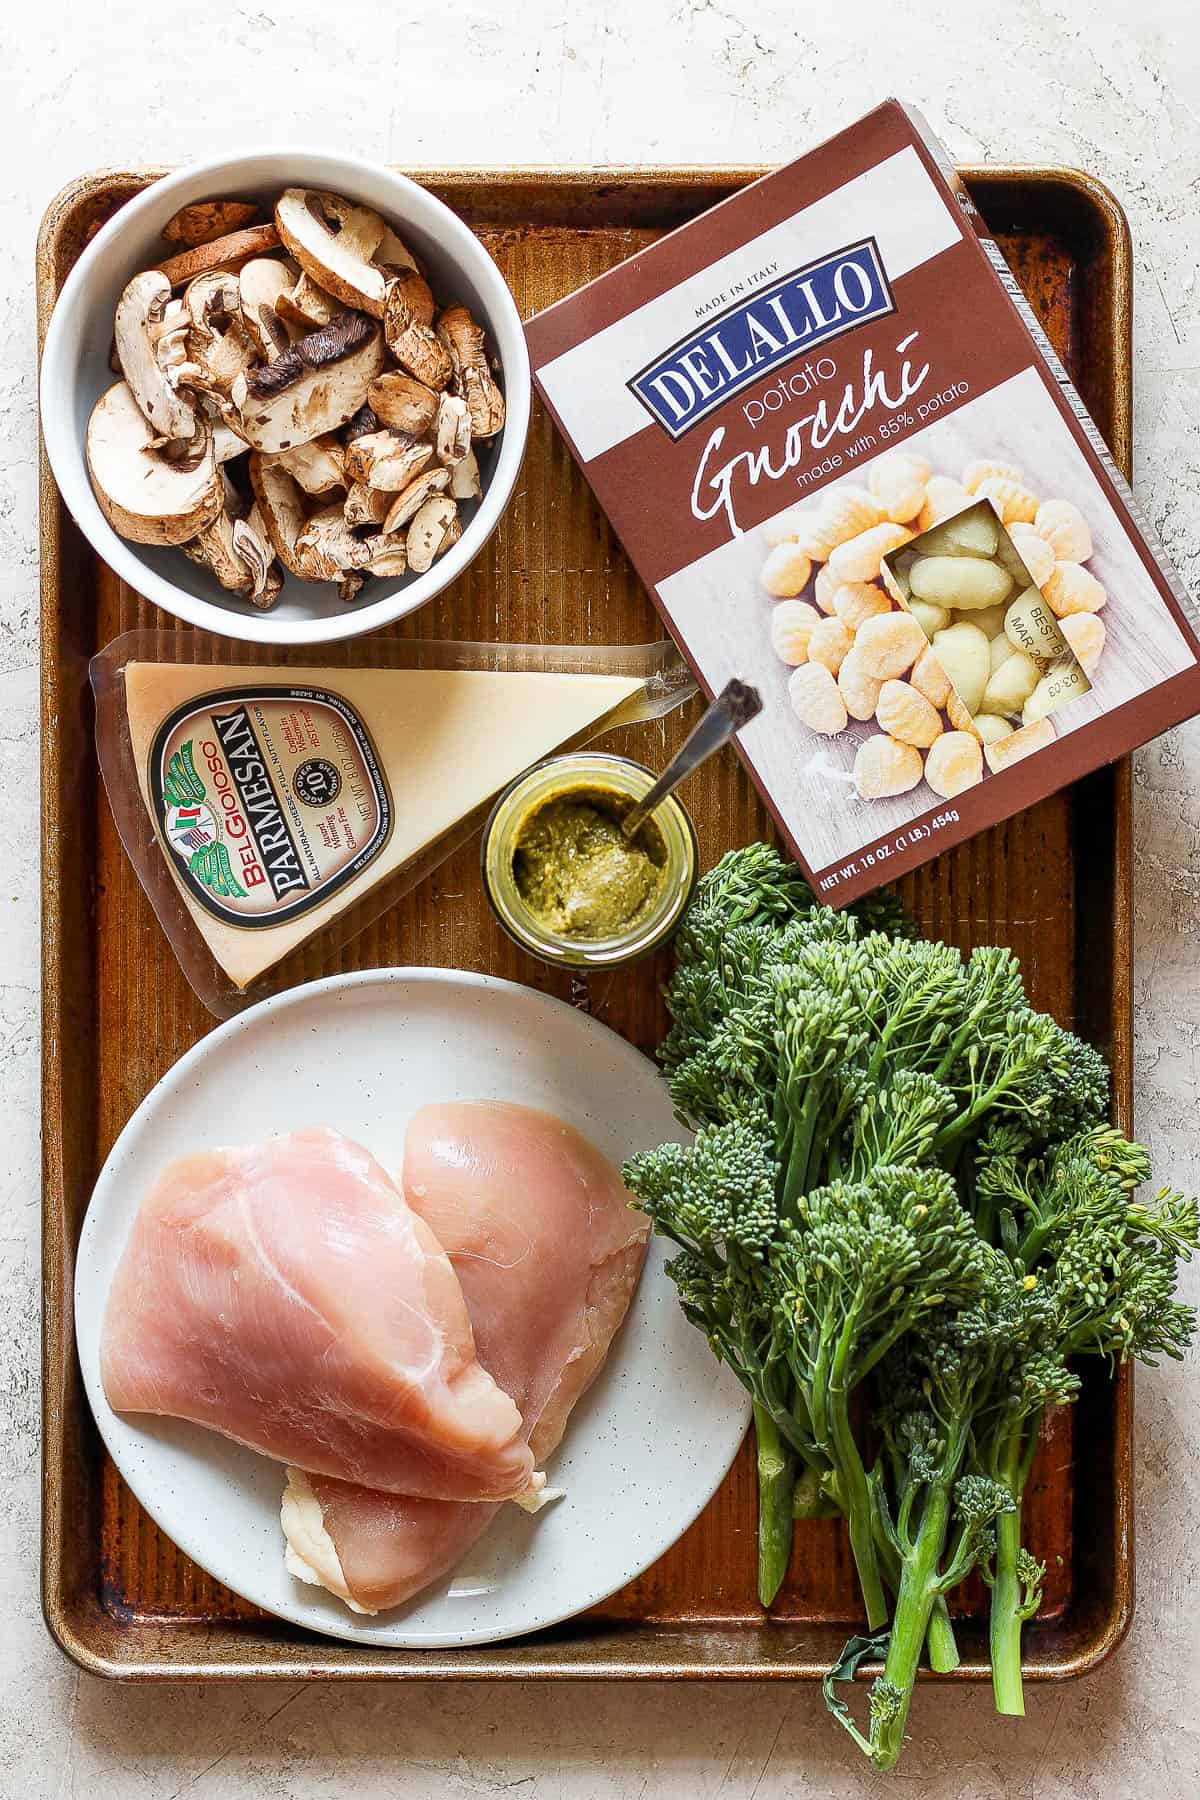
column 286, row 1295
column 544, row 1239
column 540, row 1232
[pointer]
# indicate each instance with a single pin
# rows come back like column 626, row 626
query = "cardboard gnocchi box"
column 850, row 469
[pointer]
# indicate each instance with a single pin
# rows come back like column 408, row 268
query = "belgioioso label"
column 268, row 800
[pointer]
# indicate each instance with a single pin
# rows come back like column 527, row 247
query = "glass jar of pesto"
column 566, row 882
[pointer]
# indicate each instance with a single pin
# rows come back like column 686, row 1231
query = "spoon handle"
column 734, row 706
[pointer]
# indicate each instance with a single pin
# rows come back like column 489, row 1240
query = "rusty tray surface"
column 1053, row 883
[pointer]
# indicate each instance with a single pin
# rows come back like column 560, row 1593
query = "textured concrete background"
column 1105, row 84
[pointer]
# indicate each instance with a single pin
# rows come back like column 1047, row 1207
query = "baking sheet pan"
column 1054, row 884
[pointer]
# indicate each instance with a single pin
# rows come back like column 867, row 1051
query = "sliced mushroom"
column 219, row 347
column 205, row 220
column 407, row 504
column 328, row 547
column 147, row 336
column 146, row 495
column 450, row 536
column 393, row 254
column 319, row 466
column 386, row 460
column 464, row 478
column 366, row 506
column 227, row 443
column 453, row 430
column 266, row 577
column 428, row 531
column 364, row 421
column 306, row 305
column 265, row 594
column 473, row 378
column 413, row 343
column 403, row 403
column 411, row 290
column 350, row 586
column 212, row 547
column 333, row 241
column 262, row 283
column 227, row 253
column 238, row 556
column 279, row 503
column 312, row 388
column 389, row 558
column 170, row 341
column 316, row 549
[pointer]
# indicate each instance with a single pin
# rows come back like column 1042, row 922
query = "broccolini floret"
column 901, row 1190
column 1099, row 1263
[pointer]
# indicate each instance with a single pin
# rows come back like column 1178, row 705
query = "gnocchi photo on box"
column 851, row 470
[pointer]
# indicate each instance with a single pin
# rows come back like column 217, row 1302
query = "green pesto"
column 578, row 873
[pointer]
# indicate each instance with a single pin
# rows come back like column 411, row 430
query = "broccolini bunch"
column 901, row 1215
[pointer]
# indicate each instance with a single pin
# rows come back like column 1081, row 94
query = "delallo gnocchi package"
column 851, row 470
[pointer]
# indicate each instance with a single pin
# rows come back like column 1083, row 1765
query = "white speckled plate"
column 647, row 1446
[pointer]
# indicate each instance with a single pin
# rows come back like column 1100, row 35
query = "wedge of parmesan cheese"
column 282, row 796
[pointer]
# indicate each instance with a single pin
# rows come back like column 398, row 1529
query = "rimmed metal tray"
column 1053, row 884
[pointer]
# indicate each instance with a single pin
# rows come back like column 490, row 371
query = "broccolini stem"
column 943, row 1648
column 1004, row 1626
column 1029, row 1436
column 795, row 1179
column 810, row 1499
column 776, row 1484
column 855, row 1490
column 902, row 1323
column 1004, row 1630
column 950, row 1139
column 910, row 1624
column 1035, row 1240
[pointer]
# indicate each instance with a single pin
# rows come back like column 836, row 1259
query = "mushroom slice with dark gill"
column 363, row 421
column 219, row 347
column 314, row 387
column 334, row 241
column 148, row 493
column 150, row 330
column 263, row 282
column 239, row 555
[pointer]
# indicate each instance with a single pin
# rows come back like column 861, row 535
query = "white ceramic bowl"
column 75, row 371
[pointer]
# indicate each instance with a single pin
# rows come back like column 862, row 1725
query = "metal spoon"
column 734, row 706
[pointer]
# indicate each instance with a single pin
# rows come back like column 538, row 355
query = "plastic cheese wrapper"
column 275, row 808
